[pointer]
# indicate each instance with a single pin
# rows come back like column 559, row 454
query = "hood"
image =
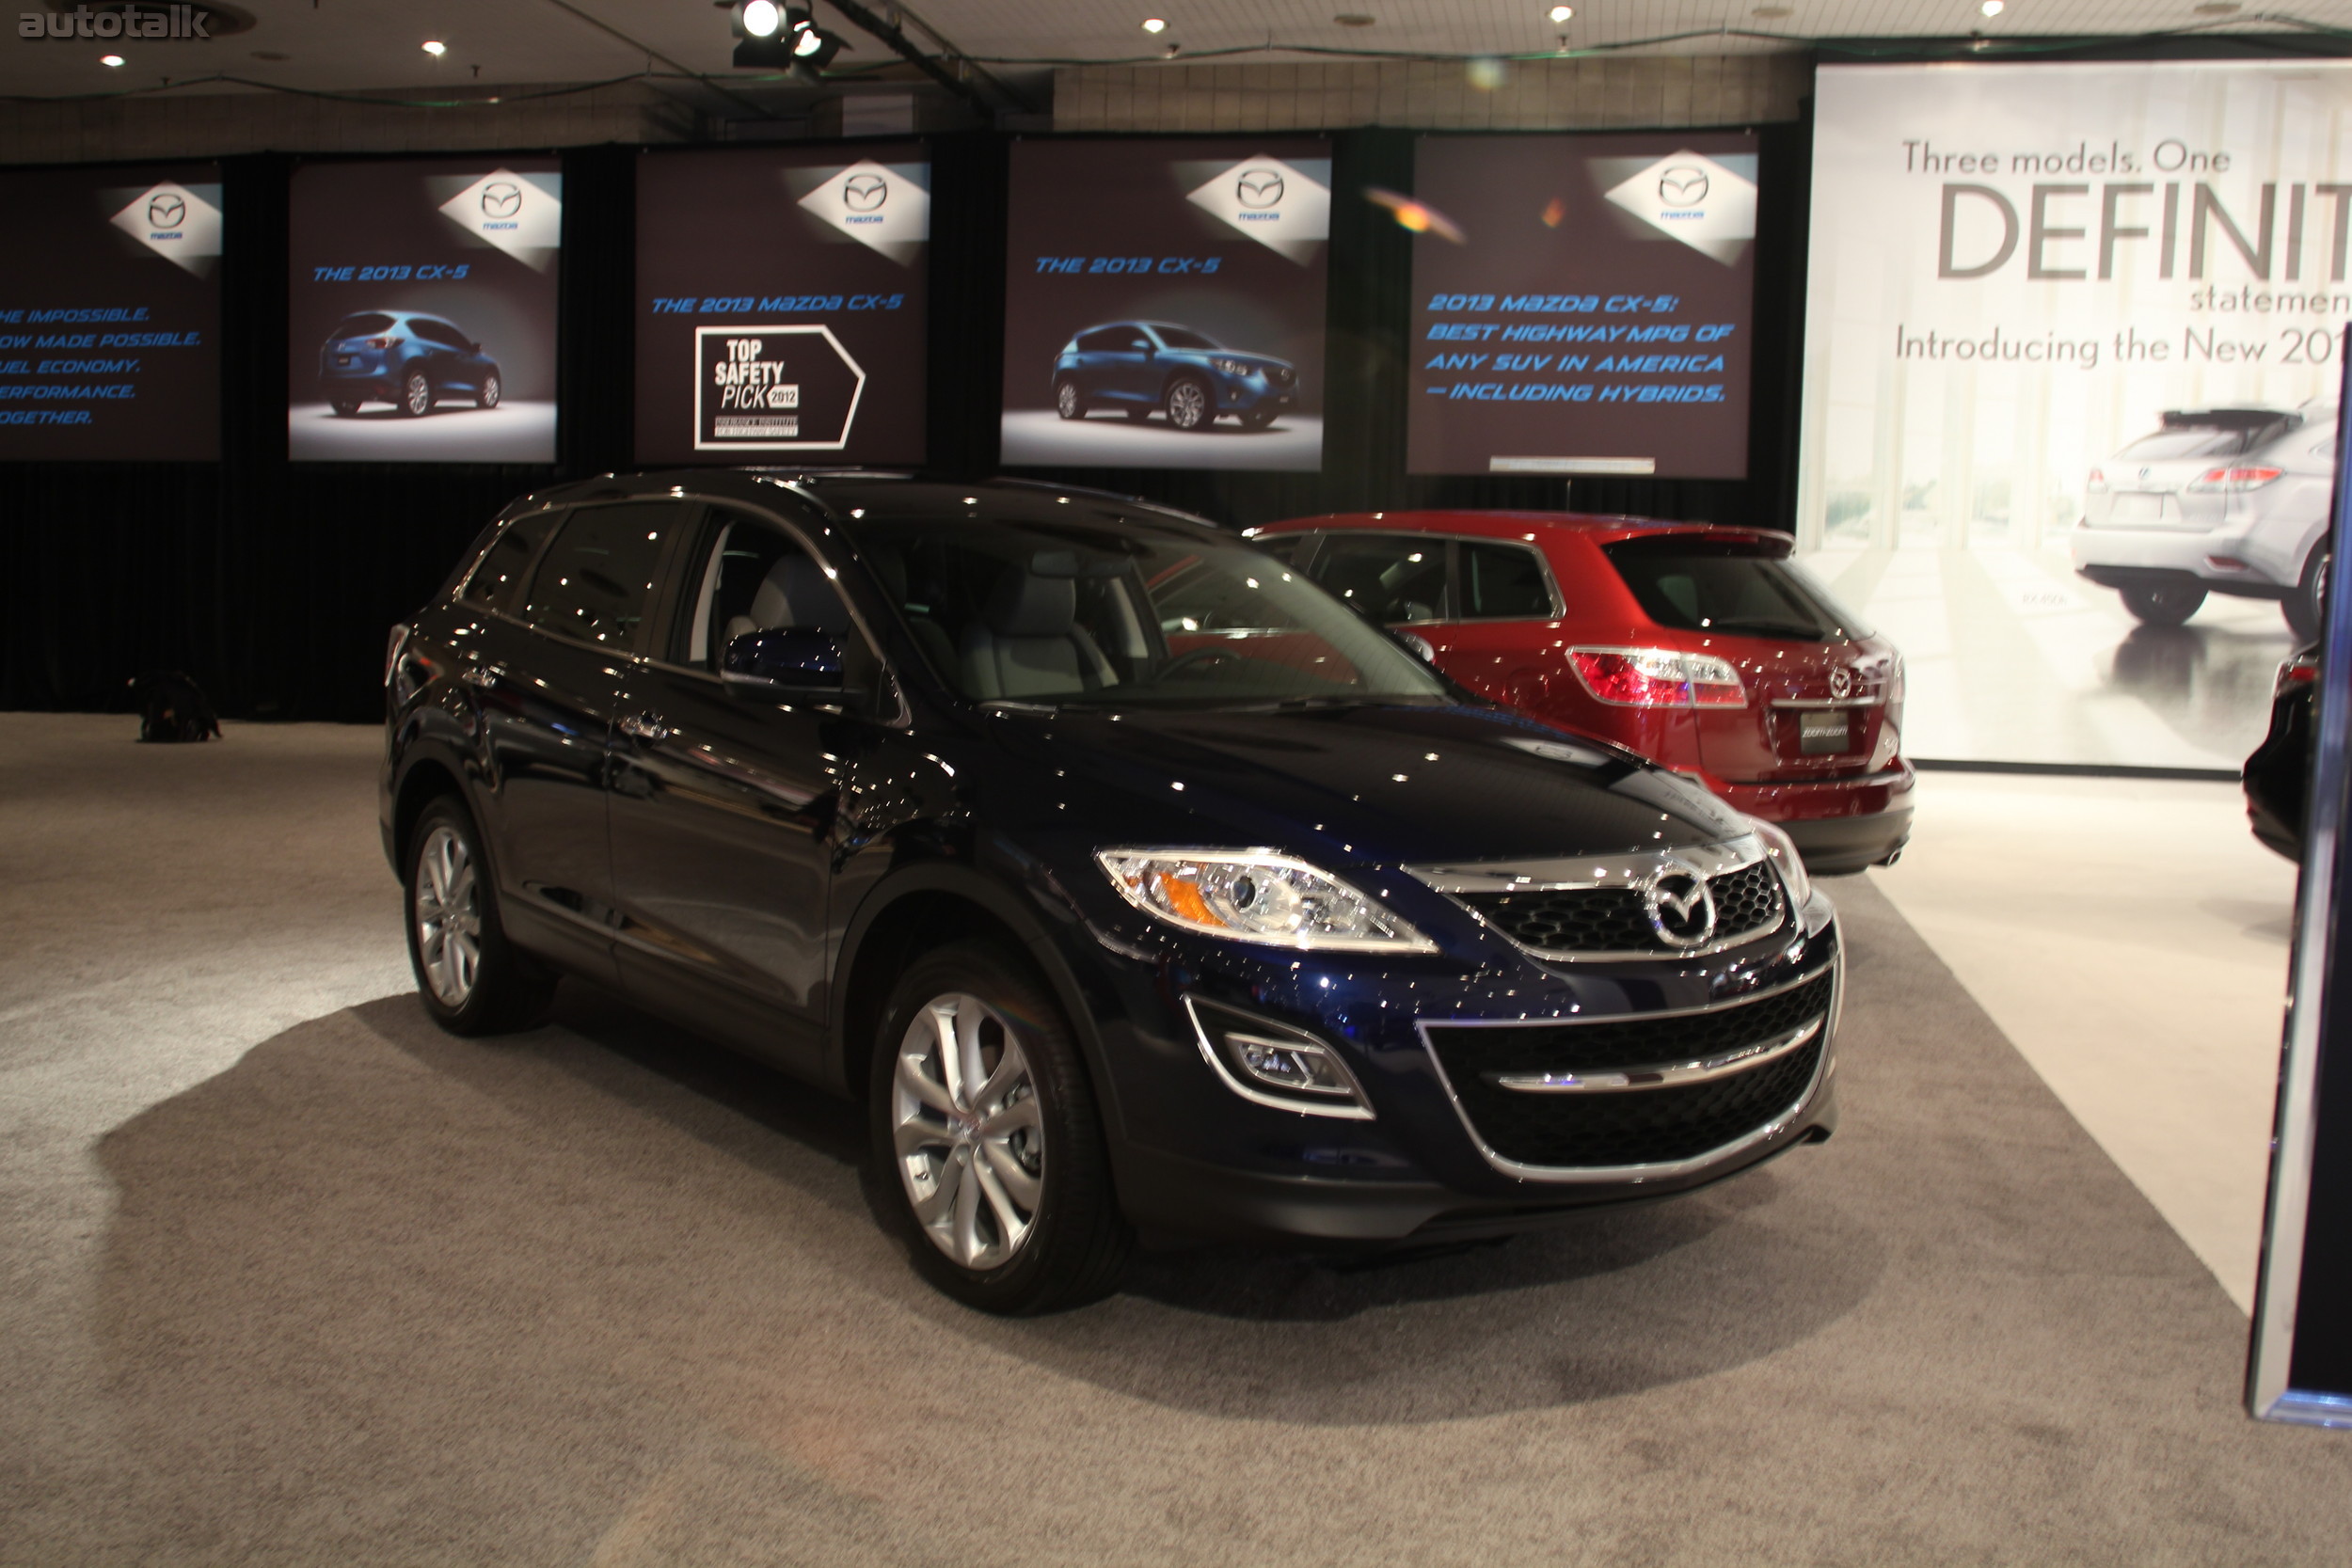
column 1264, row 361
column 1364, row 785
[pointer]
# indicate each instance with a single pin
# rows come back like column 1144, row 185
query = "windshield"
column 1731, row 587
column 1114, row 611
column 1183, row 337
column 367, row 324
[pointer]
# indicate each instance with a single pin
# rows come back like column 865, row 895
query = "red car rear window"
column 1730, row 586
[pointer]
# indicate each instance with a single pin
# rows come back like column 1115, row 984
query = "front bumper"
column 1252, row 394
column 1194, row 1159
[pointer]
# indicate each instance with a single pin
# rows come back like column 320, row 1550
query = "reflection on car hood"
column 1267, row 359
column 1366, row 785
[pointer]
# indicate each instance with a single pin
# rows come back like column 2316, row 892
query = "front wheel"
column 470, row 978
column 1069, row 401
column 2305, row 605
column 491, row 390
column 415, row 395
column 1188, row 407
column 2163, row 604
column 988, row 1153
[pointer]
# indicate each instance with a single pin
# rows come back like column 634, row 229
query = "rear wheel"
column 471, row 979
column 2163, row 604
column 415, row 395
column 489, row 396
column 989, row 1157
column 2306, row 606
column 1188, row 405
column 1069, row 401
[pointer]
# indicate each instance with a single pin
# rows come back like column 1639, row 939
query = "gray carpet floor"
column 288, row 1276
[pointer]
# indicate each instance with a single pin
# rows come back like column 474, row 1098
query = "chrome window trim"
column 1660, row 1170
column 1635, row 870
column 1876, row 701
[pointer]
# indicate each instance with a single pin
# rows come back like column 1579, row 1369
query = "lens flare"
column 1554, row 211
column 1417, row 217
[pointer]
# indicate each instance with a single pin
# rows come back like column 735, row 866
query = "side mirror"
column 798, row 663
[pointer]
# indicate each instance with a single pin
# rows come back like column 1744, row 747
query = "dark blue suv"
column 1134, row 883
column 1137, row 367
column 405, row 359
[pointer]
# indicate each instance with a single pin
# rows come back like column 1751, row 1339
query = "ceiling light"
column 1991, row 8
column 109, row 59
column 1153, row 24
column 761, row 19
column 435, row 48
column 1560, row 13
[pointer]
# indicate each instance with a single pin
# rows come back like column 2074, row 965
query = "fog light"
column 1274, row 1064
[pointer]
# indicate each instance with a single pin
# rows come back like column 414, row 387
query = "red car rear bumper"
column 1840, row 825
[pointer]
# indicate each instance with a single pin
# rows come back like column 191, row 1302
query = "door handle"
column 645, row 726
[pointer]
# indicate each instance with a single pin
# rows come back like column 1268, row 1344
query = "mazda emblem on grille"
column 1681, row 911
column 1840, row 681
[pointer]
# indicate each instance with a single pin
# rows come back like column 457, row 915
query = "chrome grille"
column 1594, row 920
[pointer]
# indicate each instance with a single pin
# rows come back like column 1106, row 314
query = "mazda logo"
column 1260, row 187
column 1681, row 911
column 863, row 193
column 1842, row 682
column 501, row 201
column 164, row 211
column 1682, row 187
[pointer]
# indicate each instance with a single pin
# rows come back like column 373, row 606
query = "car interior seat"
column 1026, row 640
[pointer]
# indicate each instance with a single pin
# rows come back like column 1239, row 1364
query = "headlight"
column 1231, row 367
column 1783, row 852
column 1256, row 896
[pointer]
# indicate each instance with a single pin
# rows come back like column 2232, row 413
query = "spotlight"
column 435, row 48
column 759, row 18
column 1153, row 24
column 770, row 36
column 814, row 47
column 1560, row 13
column 110, row 60
column 1991, row 8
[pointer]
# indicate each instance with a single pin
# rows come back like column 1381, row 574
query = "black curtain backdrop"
column 275, row 584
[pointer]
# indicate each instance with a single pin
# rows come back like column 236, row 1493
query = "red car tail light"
column 2299, row 671
column 1658, row 677
column 2098, row 480
column 2233, row 479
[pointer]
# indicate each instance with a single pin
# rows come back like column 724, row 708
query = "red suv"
column 1704, row 648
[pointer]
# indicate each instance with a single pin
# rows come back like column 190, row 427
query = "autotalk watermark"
column 117, row 22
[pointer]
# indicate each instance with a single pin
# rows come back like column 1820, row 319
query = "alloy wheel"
column 969, row 1139
column 419, row 394
column 490, row 391
column 1066, row 400
column 1188, row 405
column 447, row 913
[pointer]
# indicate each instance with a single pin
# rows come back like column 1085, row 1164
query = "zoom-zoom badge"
column 772, row 387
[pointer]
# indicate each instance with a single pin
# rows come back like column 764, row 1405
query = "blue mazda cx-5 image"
column 1142, row 367
column 404, row 358
column 1137, row 887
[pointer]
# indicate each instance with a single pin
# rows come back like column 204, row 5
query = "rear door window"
column 1728, row 586
column 1391, row 578
column 595, row 580
column 366, row 325
column 495, row 582
column 1500, row 582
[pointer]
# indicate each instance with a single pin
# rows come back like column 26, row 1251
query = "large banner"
column 2070, row 377
column 1163, row 304
column 1582, row 305
column 421, row 311
column 780, row 305
column 110, row 314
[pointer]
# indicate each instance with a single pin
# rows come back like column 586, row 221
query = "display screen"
column 1581, row 304
column 110, row 314
column 2069, row 416
column 780, row 305
column 421, row 311
column 1163, row 304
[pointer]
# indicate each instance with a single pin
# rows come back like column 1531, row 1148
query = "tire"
column 490, row 391
column 415, row 395
column 1189, row 404
column 2306, row 608
column 451, row 903
column 1017, row 1222
column 2163, row 604
column 346, row 408
column 1069, row 403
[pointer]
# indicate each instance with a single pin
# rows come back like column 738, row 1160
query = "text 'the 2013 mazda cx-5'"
column 934, row 795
